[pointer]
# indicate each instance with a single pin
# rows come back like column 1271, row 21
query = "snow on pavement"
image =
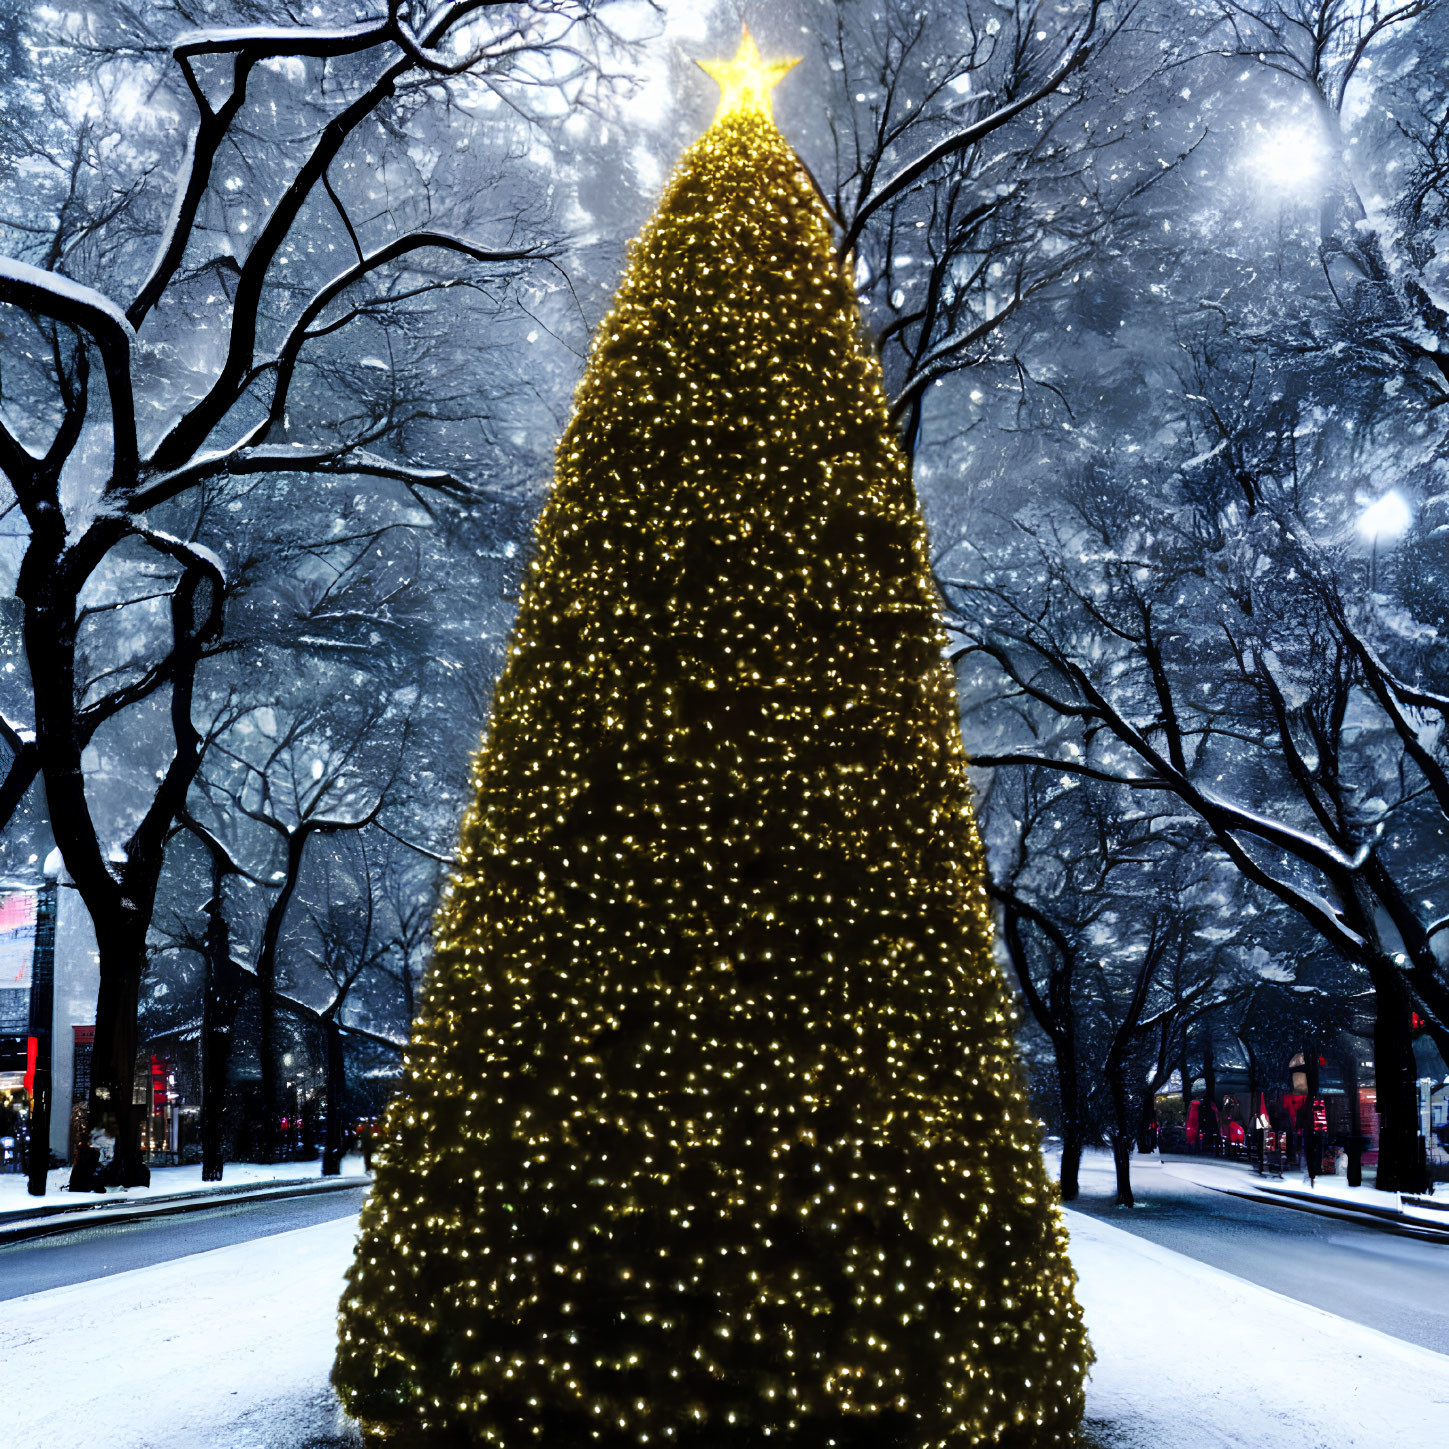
column 1331, row 1191
column 230, row 1349
column 165, row 1182
column 1190, row 1357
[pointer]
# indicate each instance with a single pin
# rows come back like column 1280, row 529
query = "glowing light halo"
column 1386, row 520
column 746, row 79
column 1290, row 157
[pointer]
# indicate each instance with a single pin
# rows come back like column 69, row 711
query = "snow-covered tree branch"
column 229, row 306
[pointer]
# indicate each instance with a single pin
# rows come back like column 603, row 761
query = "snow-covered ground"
column 222, row 1350
column 230, row 1349
column 1190, row 1357
column 165, row 1181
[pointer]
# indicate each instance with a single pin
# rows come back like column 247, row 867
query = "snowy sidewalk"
column 172, row 1189
column 231, row 1349
column 1190, row 1357
column 228, row 1349
column 15, row 1196
column 1329, row 1195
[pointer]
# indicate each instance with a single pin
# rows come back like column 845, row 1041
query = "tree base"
column 392, row 1436
column 119, row 1173
column 85, row 1172
column 857, row 1436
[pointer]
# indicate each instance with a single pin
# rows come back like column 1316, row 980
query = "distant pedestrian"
column 85, row 1172
column 364, row 1141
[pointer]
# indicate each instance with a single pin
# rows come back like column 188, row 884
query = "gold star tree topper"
column 745, row 81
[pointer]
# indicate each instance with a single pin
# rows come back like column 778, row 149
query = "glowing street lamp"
column 1385, row 521
column 1287, row 159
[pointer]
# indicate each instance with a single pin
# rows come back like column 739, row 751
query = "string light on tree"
column 711, row 1129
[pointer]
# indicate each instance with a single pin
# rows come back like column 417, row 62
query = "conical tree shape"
column 711, row 1131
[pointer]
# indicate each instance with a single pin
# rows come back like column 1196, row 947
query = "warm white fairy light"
column 711, row 1130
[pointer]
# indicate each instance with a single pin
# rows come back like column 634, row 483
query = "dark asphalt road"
column 97, row 1252
column 1398, row 1285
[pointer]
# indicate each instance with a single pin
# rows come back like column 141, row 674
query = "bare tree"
column 224, row 986
column 351, row 947
column 305, row 782
column 979, row 175
column 1387, row 313
column 1232, row 668
column 93, row 468
column 1103, row 912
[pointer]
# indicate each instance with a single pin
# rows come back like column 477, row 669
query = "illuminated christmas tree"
column 711, row 1131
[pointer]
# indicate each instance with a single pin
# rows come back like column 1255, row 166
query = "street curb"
column 1307, row 1199
column 1425, row 1202
column 1368, row 1215
column 95, row 1202
column 75, row 1217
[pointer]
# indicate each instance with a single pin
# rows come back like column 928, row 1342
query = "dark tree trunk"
column 1354, row 1144
column 1069, row 1089
column 221, row 999
column 1250, row 1111
column 1312, row 1143
column 1212, row 1134
column 217, row 1037
column 113, row 1059
column 1146, row 1111
column 118, row 896
column 1073, row 1114
column 1053, row 1014
column 1122, row 1165
column 37, row 1163
column 1402, row 1167
column 336, row 1091
column 1121, row 1133
column 1185, row 1072
column 47, row 587
column 1257, row 1138
column 270, row 1097
column 1073, row 1140
column 42, row 1012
